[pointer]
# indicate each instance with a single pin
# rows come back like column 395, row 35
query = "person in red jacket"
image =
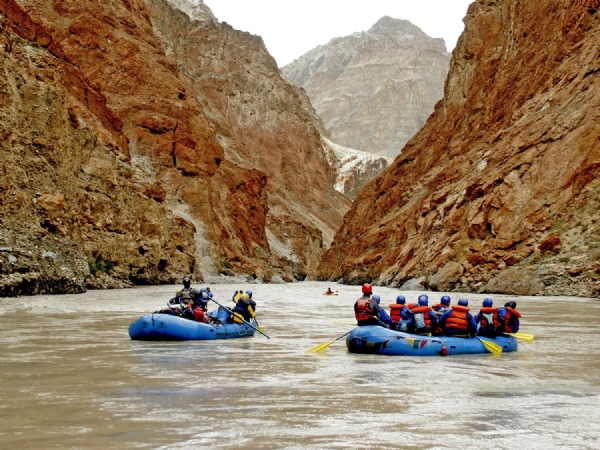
column 458, row 321
column 511, row 317
column 366, row 310
column 490, row 320
column 396, row 309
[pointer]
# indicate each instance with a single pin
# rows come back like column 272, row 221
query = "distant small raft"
column 381, row 341
column 165, row 327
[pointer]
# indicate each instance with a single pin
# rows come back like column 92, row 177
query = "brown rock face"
column 374, row 90
column 67, row 202
column 150, row 166
column 504, row 173
column 263, row 123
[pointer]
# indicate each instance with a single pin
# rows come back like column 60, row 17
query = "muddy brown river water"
column 70, row 377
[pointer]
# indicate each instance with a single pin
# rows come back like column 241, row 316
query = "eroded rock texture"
column 122, row 157
column 374, row 90
column 503, row 179
column 354, row 168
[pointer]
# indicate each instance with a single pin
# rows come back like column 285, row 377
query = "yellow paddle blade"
column 523, row 336
column 491, row 347
column 319, row 348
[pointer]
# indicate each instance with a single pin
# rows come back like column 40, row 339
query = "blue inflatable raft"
column 166, row 327
column 382, row 341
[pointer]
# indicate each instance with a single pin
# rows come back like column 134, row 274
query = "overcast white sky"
column 291, row 28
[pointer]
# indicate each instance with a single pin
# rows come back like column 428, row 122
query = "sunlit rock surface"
column 354, row 168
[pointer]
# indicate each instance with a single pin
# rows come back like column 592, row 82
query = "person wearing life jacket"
column 383, row 315
column 422, row 319
column 366, row 309
column 182, row 296
column 458, row 321
column 511, row 317
column 442, row 307
column 396, row 309
column 490, row 320
column 244, row 309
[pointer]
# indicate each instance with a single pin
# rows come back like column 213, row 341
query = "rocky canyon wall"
column 500, row 190
column 374, row 90
column 121, row 157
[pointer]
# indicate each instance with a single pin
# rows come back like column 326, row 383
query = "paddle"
column 258, row 327
column 490, row 346
column 320, row 348
column 240, row 317
column 523, row 336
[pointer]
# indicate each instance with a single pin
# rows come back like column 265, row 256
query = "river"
column 70, row 377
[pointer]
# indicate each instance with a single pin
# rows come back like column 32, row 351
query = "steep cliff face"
column 500, row 191
column 68, row 202
column 374, row 90
column 263, row 123
column 137, row 166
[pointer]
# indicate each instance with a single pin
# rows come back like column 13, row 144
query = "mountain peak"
column 406, row 33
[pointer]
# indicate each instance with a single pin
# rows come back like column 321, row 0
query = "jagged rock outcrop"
column 374, row 90
column 503, row 179
column 354, row 168
column 118, row 159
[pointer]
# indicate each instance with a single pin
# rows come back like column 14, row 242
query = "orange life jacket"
column 488, row 313
column 512, row 316
column 458, row 318
column 365, row 308
column 424, row 311
column 395, row 310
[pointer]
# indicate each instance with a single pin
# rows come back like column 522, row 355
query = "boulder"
column 514, row 282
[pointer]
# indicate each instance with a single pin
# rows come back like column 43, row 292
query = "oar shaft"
column 247, row 323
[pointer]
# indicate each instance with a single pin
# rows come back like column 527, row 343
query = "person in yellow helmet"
column 244, row 309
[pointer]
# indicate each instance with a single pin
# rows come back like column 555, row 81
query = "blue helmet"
column 249, row 293
column 400, row 300
column 202, row 289
column 445, row 300
column 463, row 302
column 487, row 302
column 376, row 298
column 423, row 300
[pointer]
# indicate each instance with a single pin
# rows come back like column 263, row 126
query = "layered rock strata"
column 119, row 160
column 500, row 190
column 374, row 90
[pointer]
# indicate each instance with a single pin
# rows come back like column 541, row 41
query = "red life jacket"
column 199, row 315
column 424, row 310
column 365, row 309
column 510, row 319
column 458, row 318
column 493, row 312
column 395, row 311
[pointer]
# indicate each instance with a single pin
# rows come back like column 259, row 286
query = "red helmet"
column 367, row 288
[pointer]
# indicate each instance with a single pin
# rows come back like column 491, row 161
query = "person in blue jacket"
column 383, row 315
column 422, row 319
column 458, row 321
